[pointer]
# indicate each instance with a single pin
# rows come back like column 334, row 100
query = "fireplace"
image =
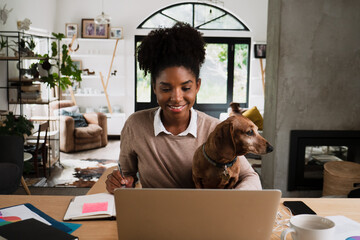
column 310, row 150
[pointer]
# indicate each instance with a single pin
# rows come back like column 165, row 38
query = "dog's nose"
column 269, row 148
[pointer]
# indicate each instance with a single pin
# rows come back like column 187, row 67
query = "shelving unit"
column 24, row 94
column 96, row 55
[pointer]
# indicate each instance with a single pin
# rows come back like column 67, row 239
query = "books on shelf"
column 94, row 206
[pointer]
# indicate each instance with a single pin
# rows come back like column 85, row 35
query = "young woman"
column 159, row 143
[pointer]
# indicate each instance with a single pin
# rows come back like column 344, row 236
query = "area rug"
column 76, row 173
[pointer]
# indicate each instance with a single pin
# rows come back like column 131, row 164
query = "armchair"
column 73, row 139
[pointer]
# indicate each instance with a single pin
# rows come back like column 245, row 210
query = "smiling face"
column 176, row 89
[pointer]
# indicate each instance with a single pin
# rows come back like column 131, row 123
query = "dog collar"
column 217, row 164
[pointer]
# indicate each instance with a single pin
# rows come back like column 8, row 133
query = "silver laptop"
column 187, row 214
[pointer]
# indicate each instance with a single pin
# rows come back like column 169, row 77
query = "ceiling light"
column 103, row 18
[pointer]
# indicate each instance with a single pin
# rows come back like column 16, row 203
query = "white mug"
column 309, row 227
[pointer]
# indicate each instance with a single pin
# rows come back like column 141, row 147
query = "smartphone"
column 298, row 207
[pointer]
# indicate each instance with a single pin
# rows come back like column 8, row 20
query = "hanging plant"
column 69, row 73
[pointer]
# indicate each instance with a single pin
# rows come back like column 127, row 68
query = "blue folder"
column 68, row 227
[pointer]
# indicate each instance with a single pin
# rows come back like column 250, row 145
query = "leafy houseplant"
column 68, row 70
column 3, row 45
column 13, row 125
column 24, row 48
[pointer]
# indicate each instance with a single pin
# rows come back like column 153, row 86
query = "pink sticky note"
column 95, row 207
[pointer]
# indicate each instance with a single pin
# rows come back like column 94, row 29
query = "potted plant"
column 24, row 48
column 3, row 46
column 15, row 125
column 68, row 70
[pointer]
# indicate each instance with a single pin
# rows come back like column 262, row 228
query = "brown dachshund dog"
column 236, row 109
column 215, row 163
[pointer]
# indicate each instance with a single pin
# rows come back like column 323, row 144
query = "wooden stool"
column 339, row 177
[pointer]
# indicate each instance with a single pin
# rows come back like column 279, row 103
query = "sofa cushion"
column 92, row 130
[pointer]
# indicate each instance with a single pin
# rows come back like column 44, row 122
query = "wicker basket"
column 339, row 177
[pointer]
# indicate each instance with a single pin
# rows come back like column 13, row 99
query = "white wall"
column 42, row 13
column 129, row 15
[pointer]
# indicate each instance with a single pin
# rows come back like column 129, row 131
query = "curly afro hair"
column 180, row 45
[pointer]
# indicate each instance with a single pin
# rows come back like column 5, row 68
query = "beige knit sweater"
column 165, row 161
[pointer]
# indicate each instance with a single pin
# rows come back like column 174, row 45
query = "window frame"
column 193, row 17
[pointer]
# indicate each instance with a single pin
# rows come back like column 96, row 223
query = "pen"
column 122, row 174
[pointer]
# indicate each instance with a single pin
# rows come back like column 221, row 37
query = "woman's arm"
column 248, row 178
column 128, row 163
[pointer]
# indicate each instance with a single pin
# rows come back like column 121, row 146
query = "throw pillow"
column 78, row 118
column 254, row 115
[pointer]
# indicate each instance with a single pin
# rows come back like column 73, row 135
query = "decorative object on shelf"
column 103, row 109
column 4, row 14
column 87, row 72
column 92, row 30
column 116, row 32
column 103, row 18
column 15, row 125
column 24, row 24
column 71, row 29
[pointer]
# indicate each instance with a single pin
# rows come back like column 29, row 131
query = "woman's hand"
column 114, row 180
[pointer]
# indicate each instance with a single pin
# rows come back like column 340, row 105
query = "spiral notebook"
column 92, row 206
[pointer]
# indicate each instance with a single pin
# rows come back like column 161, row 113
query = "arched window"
column 225, row 72
column 199, row 15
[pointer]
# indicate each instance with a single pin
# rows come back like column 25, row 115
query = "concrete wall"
column 313, row 75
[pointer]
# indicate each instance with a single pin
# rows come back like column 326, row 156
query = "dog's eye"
column 250, row 133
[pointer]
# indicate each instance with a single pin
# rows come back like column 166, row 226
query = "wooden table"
column 55, row 206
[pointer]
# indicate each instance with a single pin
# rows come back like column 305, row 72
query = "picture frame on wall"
column 91, row 30
column 260, row 50
column 71, row 29
column 116, row 32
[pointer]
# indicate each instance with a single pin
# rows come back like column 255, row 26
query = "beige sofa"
column 81, row 138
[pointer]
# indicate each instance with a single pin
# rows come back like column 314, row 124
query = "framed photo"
column 78, row 64
column 260, row 50
column 116, row 32
column 71, row 29
column 92, row 30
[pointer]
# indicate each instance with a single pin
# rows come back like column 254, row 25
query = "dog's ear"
column 224, row 139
